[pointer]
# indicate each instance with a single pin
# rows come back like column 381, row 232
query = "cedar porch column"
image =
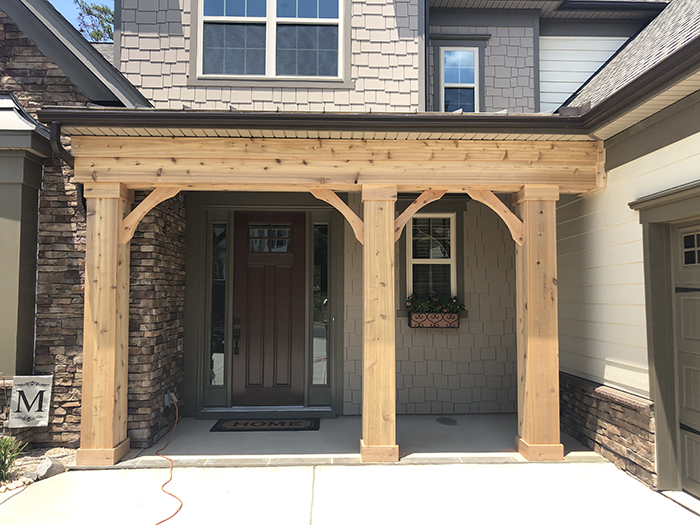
column 538, row 332
column 378, row 443
column 103, row 438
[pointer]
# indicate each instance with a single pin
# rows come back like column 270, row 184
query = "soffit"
column 551, row 8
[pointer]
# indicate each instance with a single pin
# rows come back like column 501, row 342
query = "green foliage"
column 433, row 303
column 95, row 21
column 10, row 450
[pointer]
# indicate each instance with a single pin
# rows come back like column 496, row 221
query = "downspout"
column 427, row 56
column 66, row 157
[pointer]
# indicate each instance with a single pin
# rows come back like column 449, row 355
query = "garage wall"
column 602, row 331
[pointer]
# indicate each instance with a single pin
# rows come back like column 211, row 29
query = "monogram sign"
column 31, row 401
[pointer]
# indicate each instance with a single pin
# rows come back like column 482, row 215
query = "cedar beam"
column 378, row 443
column 514, row 224
column 355, row 222
column 103, row 438
column 424, row 199
column 538, row 334
column 154, row 198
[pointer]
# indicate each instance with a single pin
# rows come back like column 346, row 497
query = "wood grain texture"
column 379, row 317
column 336, row 164
column 537, row 336
column 337, row 175
column 152, row 200
column 515, row 225
column 335, row 149
column 424, row 199
column 355, row 222
column 106, row 327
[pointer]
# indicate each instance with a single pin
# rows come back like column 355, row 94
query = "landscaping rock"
column 3, row 489
column 49, row 467
column 16, row 485
column 31, row 476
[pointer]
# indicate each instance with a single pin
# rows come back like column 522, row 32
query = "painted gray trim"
column 66, row 48
column 457, row 37
column 479, row 44
column 657, row 213
column 536, row 42
column 423, row 51
column 117, row 34
column 568, row 27
column 30, row 141
column 483, row 17
column 674, row 123
column 344, row 82
column 19, row 204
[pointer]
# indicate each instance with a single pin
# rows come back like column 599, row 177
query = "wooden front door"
column 269, row 309
column 687, row 318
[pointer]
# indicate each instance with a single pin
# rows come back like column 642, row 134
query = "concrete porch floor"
column 474, row 438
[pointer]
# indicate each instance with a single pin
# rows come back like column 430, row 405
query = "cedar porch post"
column 103, row 438
column 538, row 333
column 378, row 443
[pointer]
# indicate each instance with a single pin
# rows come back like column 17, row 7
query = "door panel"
column 269, row 301
column 687, row 320
column 690, row 454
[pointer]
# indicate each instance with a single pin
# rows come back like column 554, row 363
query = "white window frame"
column 474, row 85
column 452, row 261
column 271, row 21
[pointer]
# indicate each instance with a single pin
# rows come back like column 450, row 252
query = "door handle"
column 236, row 338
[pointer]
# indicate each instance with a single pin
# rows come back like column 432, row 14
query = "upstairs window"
column 271, row 38
column 458, row 80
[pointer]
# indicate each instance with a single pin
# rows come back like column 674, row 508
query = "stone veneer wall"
column 617, row 425
column 156, row 40
column 36, row 82
column 156, row 319
column 509, row 68
column 440, row 371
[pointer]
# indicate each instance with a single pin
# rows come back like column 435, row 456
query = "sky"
column 70, row 11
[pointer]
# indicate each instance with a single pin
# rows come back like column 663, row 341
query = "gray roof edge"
column 76, row 57
column 36, row 140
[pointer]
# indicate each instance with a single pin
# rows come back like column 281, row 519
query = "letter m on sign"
column 31, row 401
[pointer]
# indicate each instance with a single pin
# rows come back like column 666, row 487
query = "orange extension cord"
column 177, row 416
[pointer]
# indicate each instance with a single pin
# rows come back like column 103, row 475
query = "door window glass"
column 320, row 298
column 218, row 305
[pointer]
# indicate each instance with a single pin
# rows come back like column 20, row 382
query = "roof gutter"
column 680, row 64
column 379, row 122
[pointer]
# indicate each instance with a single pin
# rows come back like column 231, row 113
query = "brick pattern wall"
column 33, row 78
column 615, row 424
column 156, row 40
column 156, row 319
column 509, row 68
column 470, row 370
column 59, row 310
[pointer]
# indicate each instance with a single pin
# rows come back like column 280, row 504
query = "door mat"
column 257, row 425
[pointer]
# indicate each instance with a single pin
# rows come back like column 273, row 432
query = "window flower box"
column 438, row 320
column 433, row 310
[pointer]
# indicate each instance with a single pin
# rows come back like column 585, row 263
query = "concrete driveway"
column 569, row 493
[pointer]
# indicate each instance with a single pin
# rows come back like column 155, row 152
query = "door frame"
column 660, row 214
column 199, row 207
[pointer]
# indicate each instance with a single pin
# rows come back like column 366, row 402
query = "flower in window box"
column 434, row 310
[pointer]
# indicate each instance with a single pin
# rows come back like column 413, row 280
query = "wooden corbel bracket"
column 356, row 223
column 424, row 199
column 152, row 200
column 514, row 224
